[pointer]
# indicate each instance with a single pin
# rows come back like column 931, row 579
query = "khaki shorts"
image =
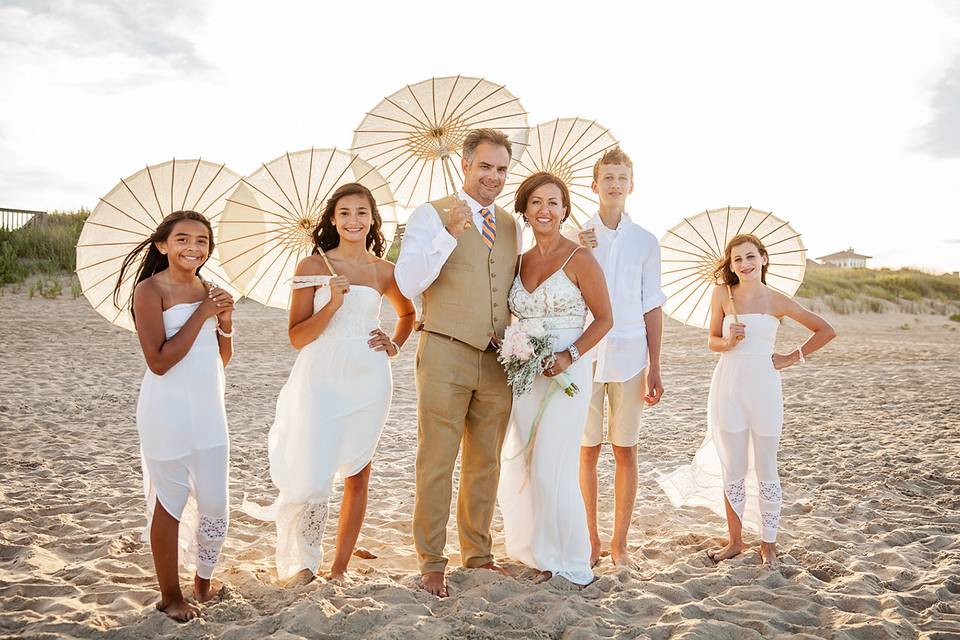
column 625, row 400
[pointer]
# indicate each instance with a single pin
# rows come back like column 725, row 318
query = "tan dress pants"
column 462, row 399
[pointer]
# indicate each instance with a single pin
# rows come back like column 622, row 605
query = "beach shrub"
column 46, row 245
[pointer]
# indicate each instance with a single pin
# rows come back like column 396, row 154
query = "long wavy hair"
column 724, row 272
column 151, row 261
column 325, row 234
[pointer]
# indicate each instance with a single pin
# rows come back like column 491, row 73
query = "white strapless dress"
column 544, row 519
column 330, row 414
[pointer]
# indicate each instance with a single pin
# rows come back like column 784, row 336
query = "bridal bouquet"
column 526, row 351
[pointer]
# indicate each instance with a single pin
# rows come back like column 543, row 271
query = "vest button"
column 494, row 289
column 493, row 275
column 492, row 261
column 495, row 304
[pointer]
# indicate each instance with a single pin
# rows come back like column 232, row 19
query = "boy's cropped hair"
column 612, row 156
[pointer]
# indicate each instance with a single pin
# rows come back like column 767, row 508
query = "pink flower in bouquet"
column 516, row 344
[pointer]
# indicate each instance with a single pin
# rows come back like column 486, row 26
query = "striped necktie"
column 489, row 231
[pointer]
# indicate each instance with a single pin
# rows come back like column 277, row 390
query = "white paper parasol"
column 132, row 211
column 567, row 148
column 267, row 223
column 414, row 137
column 691, row 251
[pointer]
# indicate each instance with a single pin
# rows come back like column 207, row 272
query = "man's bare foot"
column 180, row 610
column 493, row 566
column 731, row 550
column 299, row 579
column 768, row 554
column 621, row 558
column 434, row 582
column 205, row 590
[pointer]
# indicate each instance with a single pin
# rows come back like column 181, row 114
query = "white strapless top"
column 760, row 334
column 359, row 315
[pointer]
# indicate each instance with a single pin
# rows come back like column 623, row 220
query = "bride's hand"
column 561, row 362
column 382, row 342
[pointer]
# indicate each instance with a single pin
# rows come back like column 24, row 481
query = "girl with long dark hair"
column 333, row 407
column 185, row 328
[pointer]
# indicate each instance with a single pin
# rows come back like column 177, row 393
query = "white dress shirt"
column 427, row 244
column 630, row 258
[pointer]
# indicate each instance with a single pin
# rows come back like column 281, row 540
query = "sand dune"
column 870, row 464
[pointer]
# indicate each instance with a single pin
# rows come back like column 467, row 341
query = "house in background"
column 848, row 259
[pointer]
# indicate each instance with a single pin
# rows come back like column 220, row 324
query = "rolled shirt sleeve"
column 424, row 250
column 651, row 293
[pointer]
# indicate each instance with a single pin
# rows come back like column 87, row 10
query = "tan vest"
column 468, row 300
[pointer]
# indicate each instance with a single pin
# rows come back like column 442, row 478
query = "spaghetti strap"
column 568, row 259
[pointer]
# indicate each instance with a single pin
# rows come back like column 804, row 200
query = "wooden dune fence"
column 15, row 218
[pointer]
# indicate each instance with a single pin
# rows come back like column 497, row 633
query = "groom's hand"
column 459, row 217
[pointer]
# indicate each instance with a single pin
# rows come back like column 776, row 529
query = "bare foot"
column 621, row 558
column 594, row 553
column 299, row 579
column 542, row 576
column 180, row 610
column 205, row 590
column 339, row 578
column 768, row 554
column 433, row 582
column 493, row 566
column 731, row 550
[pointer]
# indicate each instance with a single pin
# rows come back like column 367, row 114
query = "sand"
column 870, row 464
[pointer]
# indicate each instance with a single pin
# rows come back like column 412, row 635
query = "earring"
column 526, row 222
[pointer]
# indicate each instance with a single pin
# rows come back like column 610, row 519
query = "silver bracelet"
column 397, row 347
column 574, row 353
column 224, row 333
column 800, row 352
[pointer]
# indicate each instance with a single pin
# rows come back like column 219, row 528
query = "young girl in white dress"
column 745, row 406
column 544, row 519
column 185, row 328
column 333, row 407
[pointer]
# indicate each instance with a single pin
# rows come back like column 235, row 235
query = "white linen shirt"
column 630, row 258
column 426, row 245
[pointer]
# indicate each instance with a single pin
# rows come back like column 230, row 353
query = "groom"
column 460, row 254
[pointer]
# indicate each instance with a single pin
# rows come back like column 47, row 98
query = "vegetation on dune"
column 46, row 245
column 878, row 290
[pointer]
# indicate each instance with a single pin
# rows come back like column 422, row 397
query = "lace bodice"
column 359, row 315
column 557, row 302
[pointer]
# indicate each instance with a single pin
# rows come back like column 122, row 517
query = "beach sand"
column 870, row 465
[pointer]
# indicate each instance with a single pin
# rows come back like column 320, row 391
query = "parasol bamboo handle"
column 734, row 306
column 326, row 261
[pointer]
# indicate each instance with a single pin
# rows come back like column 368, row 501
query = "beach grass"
column 47, row 245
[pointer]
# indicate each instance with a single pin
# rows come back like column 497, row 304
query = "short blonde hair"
column 476, row 136
column 613, row 156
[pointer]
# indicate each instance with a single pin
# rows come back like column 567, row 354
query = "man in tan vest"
column 460, row 254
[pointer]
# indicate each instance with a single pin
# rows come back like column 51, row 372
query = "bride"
column 544, row 520
column 332, row 409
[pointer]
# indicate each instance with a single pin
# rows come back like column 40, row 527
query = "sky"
column 841, row 117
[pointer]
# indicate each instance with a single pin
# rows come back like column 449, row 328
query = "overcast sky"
column 842, row 117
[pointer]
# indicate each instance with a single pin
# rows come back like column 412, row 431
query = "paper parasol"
column 414, row 137
column 267, row 223
column 691, row 251
column 132, row 211
column 567, row 148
